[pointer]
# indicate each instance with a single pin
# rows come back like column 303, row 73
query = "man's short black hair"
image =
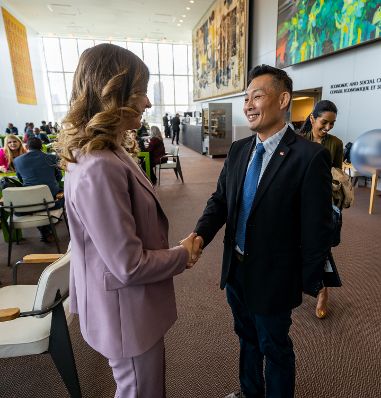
column 43, row 122
column 280, row 77
column 34, row 143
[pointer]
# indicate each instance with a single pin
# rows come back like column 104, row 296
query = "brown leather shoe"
column 322, row 304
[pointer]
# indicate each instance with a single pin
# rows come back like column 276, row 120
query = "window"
column 59, row 111
column 96, row 42
column 150, row 57
column 180, row 59
column 69, row 85
column 136, row 48
column 154, row 90
column 83, row 45
column 190, row 60
column 52, row 55
column 57, row 88
column 166, row 59
column 120, row 43
column 69, row 54
column 169, row 88
column 181, row 90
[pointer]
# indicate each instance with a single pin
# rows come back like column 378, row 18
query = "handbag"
column 9, row 182
column 331, row 277
column 337, row 222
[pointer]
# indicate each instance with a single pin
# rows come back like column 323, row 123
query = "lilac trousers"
column 142, row 376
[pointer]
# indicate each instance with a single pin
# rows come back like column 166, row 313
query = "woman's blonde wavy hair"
column 106, row 84
column 9, row 154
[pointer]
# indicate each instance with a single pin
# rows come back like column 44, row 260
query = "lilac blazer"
column 121, row 267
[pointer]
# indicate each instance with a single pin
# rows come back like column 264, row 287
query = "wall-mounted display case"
column 217, row 128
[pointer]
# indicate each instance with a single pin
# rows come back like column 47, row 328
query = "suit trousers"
column 175, row 136
column 142, row 376
column 261, row 336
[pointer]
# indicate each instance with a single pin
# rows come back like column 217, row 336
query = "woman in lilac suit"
column 121, row 281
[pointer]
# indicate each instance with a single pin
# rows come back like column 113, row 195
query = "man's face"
column 265, row 105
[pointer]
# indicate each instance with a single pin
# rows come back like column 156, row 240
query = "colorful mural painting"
column 311, row 28
column 219, row 50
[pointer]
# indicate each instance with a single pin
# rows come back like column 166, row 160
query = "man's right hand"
column 198, row 244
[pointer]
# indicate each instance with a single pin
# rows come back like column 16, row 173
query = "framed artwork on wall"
column 308, row 29
column 220, row 50
column 20, row 59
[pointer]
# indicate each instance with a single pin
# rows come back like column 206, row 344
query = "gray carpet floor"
column 338, row 357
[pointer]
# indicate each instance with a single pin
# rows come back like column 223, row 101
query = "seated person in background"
column 13, row 147
column 41, row 135
column 45, row 128
column 28, row 132
column 38, row 168
column 52, row 128
column 142, row 130
column 140, row 140
column 157, row 151
column 11, row 129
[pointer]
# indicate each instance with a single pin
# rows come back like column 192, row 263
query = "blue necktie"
column 248, row 194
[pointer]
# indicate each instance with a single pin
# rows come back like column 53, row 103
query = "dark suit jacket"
column 176, row 123
column 38, row 168
column 289, row 228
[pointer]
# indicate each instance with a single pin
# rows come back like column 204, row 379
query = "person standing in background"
column 176, row 128
column 316, row 128
column 274, row 195
column 167, row 131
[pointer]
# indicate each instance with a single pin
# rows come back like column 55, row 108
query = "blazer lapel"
column 242, row 166
column 278, row 157
column 141, row 177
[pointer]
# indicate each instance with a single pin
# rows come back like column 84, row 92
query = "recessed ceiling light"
column 191, row 1
column 187, row 8
column 181, row 20
column 184, row 16
column 179, row 24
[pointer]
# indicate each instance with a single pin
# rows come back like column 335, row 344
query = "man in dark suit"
column 41, row 135
column 167, row 131
column 176, row 128
column 38, row 168
column 11, row 129
column 45, row 127
column 274, row 195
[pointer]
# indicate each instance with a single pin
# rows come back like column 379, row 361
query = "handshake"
column 194, row 244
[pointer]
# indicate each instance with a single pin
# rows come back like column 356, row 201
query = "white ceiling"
column 154, row 20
